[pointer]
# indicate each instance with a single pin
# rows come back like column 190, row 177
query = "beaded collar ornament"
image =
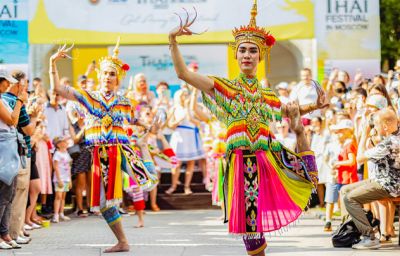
column 253, row 34
column 114, row 62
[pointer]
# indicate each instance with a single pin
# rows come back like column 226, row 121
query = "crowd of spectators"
column 42, row 144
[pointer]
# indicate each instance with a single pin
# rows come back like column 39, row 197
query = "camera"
column 371, row 122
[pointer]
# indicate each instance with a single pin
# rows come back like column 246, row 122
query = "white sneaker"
column 28, row 227
column 55, row 219
column 5, row 246
column 367, row 243
column 36, row 226
column 26, row 237
column 14, row 244
column 65, row 218
column 22, row 240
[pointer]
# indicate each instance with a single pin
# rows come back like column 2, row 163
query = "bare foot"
column 187, row 191
column 139, row 226
column 119, row 247
column 170, row 191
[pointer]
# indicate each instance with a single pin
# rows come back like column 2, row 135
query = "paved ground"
column 182, row 233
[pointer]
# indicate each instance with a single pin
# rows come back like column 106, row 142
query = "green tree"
column 390, row 31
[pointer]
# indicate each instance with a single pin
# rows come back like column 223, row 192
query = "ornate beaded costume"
column 105, row 132
column 266, row 186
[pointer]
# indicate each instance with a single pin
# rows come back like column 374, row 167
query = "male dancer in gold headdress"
column 266, row 185
column 105, row 134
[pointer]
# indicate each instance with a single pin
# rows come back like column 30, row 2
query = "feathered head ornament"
column 114, row 62
column 253, row 34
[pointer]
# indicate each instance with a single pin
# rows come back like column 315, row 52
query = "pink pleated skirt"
column 44, row 167
column 265, row 191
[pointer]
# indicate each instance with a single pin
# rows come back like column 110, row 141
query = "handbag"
column 74, row 150
column 347, row 233
column 9, row 158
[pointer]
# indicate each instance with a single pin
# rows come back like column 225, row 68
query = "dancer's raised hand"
column 321, row 100
column 184, row 26
column 61, row 53
column 197, row 80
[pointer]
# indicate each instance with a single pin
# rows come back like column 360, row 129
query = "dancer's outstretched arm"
column 293, row 111
column 65, row 91
column 197, row 80
column 302, row 143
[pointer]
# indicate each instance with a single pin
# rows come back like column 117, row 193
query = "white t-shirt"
column 57, row 122
column 64, row 166
column 290, row 141
column 305, row 94
column 285, row 100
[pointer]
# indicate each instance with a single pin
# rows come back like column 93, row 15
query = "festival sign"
column 14, row 46
column 348, row 33
column 97, row 22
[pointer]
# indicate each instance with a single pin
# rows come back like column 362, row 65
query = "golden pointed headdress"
column 114, row 62
column 253, row 34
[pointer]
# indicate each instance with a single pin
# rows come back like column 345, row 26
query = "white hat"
column 378, row 101
column 282, row 85
column 4, row 74
column 343, row 124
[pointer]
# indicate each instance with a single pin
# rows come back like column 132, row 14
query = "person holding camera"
column 9, row 118
column 26, row 127
column 386, row 183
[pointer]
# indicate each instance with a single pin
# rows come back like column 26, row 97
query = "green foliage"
column 390, row 30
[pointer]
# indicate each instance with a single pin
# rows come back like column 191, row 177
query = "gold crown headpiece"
column 114, row 62
column 253, row 34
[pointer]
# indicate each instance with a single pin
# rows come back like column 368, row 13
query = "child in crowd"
column 137, row 196
column 345, row 166
column 43, row 163
column 62, row 177
column 331, row 154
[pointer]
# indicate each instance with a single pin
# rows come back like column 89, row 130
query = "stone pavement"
column 181, row 233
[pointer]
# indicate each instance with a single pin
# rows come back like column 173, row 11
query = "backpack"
column 347, row 233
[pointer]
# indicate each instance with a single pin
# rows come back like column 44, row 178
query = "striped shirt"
column 23, row 119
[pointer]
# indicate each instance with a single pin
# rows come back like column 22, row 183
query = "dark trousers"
column 7, row 194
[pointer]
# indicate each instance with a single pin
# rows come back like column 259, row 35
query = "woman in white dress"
column 320, row 138
column 185, row 140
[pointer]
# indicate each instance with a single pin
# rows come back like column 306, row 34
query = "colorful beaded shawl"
column 247, row 110
column 105, row 119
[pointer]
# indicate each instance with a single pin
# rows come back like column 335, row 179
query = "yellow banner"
column 80, row 22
